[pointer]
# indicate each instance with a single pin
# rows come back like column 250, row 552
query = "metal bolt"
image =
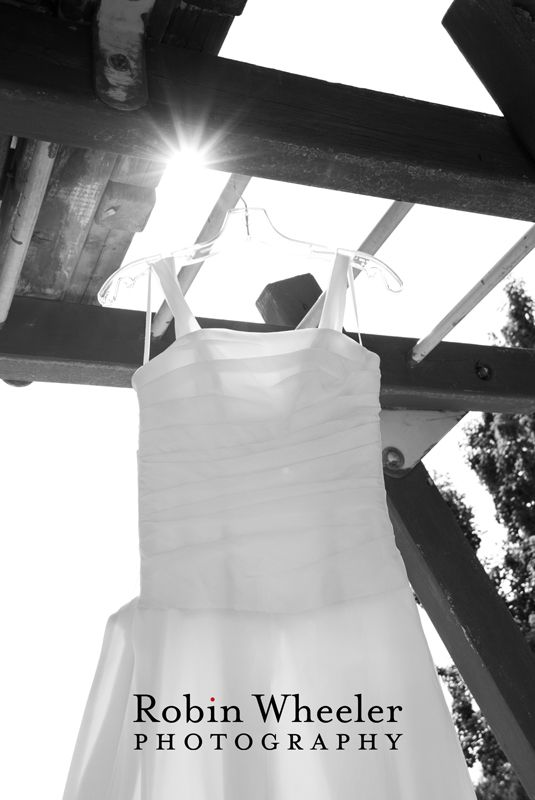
column 119, row 62
column 483, row 371
column 393, row 458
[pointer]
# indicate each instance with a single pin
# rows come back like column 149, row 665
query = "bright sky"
column 69, row 452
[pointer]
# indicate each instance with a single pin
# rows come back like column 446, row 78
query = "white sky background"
column 69, row 452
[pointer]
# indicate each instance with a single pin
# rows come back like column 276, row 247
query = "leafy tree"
column 479, row 745
column 500, row 448
column 462, row 512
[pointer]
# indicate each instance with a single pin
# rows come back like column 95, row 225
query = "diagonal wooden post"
column 471, row 619
column 497, row 38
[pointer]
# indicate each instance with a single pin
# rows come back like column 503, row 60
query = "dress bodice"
column 260, row 474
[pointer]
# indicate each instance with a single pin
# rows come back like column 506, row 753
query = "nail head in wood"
column 125, row 207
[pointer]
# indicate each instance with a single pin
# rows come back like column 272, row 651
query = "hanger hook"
column 246, row 215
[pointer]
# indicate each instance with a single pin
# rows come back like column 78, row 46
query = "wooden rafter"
column 264, row 123
column 73, row 343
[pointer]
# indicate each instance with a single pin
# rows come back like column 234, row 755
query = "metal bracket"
column 408, row 435
column 119, row 72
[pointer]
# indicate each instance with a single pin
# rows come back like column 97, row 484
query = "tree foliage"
column 500, row 448
column 462, row 512
column 479, row 745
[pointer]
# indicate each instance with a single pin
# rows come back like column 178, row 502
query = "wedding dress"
column 270, row 585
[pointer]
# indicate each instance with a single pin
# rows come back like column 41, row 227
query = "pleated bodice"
column 260, row 474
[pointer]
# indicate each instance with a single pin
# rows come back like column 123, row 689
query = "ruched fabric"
column 268, row 568
column 257, row 456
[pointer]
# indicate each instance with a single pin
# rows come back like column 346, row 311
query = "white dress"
column 270, row 582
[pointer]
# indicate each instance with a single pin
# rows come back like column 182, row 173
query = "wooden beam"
column 77, row 343
column 77, row 10
column 19, row 215
column 13, row 189
column 105, row 248
column 125, row 207
column 199, row 25
column 74, row 191
column 263, row 122
column 284, row 302
column 472, row 620
column 5, row 146
column 497, row 39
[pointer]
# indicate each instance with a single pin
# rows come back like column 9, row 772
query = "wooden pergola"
column 87, row 122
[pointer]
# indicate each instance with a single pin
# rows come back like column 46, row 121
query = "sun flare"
column 186, row 161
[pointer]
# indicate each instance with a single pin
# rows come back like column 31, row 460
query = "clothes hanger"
column 242, row 225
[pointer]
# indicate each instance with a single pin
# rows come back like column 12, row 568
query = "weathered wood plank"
column 38, row 331
column 197, row 29
column 78, row 10
column 497, row 38
column 105, row 249
column 200, row 26
column 103, row 252
column 161, row 16
column 138, row 171
column 125, row 207
column 112, row 253
column 285, row 127
column 13, row 188
column 74, row 191
column 5, row 145
column 472, row 620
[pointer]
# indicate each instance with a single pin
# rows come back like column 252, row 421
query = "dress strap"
column 332, row 315
column 185, row 321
